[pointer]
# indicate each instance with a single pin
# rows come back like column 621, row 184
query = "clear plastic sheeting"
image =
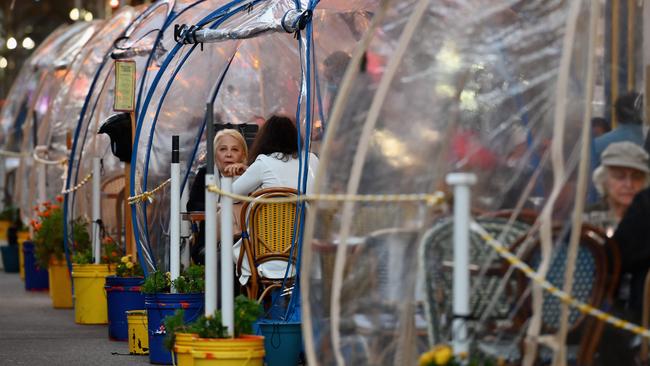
column 60, row 113
column 143, row 34
column 45, row 71
column 37, row 124
column 15, row 108
column 452, row 89
column 264, row 78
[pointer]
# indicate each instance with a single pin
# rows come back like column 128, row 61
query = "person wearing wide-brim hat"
column 622, row 173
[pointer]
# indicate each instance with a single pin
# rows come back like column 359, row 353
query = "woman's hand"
column 234, row 169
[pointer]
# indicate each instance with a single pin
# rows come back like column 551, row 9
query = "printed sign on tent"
column 124, row 86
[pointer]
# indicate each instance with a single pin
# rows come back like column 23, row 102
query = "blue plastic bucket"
column 10, row 258
column 282, row 342
column 122, row 294
column 36, row 278
column 158, row 307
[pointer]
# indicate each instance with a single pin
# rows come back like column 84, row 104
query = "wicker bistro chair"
column 267, row 234
column 436, row 256
column 594, row 282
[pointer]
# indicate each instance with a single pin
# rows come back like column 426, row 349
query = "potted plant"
column 160, row 302
column 123, row 294
column 89, row 278
column 10, row 257
column 49, row 250
column 206, row 341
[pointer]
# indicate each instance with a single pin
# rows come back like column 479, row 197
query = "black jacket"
column 633, row 237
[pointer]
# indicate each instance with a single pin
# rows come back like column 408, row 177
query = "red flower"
column 59, row 198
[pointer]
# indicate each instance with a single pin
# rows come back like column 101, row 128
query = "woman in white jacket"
column 274, row 163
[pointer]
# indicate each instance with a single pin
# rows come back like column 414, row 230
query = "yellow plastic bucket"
column 183, row 348
column 247, row 350
column 89, row 294
column 138, row 336
column 21, row 260
column 60, row 284
column 23, row 236
column 4, row 226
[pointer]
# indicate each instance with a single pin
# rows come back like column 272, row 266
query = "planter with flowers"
column 48, row 240
column 443, row 355
column 123, row 294
column 159, row 303
column 89, row 279
column 206, row 341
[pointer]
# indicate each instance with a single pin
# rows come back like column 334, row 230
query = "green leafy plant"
column 247, row 311
column 10, row 213
column 175, row 324
column 190, row 281
column 156, row 282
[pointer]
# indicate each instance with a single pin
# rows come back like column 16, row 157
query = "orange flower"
column 47, row 204
column 46, row 213
column 54, row 207
column 114, row 254
column 37, row 226
column 59, row 198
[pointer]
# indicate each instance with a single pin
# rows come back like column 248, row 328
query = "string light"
column 74, row 14
column 28, row 43
column 12, row 43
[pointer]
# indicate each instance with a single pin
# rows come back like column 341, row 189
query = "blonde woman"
column 229, row 148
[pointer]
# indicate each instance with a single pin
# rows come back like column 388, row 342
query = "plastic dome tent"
column 31, row 96
column 502, row 92
column 140, row 32
column 37, row 127
column 252, row 77
column 146, row 41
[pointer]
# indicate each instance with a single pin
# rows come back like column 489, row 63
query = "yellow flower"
column 129, row 265
column 442, row 354
column 426, row 359
column 125, row 259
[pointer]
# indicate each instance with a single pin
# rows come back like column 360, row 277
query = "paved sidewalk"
column 33, row 333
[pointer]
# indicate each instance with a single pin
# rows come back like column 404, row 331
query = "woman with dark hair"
column 274, row 159
column 274, row 163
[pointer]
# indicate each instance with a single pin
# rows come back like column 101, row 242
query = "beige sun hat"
column 625, row 154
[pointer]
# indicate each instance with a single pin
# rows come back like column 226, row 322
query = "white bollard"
column 227, row 267
column 96, row 209
column 461, row 287
column 210, row 247
column 186, row 230
column 175, row 215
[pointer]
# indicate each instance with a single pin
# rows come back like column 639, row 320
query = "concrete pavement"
column 33, row 333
